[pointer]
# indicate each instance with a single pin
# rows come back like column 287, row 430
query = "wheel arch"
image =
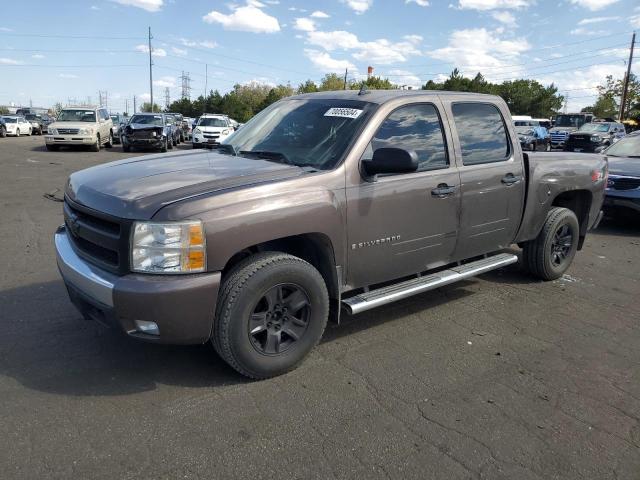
column 579, row 202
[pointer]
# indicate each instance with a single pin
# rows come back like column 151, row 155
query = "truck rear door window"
column 482, row 134
column 417, row 128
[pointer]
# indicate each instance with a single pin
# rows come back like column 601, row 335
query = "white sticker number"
column 343, row 112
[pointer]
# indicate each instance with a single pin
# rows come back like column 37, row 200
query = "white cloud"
column 95, row 7
column 5, row 29
column 148, row 5
column 404, row 77
column 67, row 76
column 493, row 4
column 246, row 18
column 480, row 50
column 384, row 52
column 199, row 43
column 144, row 97
column 580, row 83
column 380, row 51
column 635, row 20
column 304, row 24
column 325, row 62
column 333, row 40
column 9, row 61
column 319, row 14
column 589, row 21
column 593, row 5
column 179, row 51
column 157, row 52
column 37, row 56
column 586, row 31
column 358, row 6
column 165, row 82
column 259, row 82
column 504, row 17
column 422, row 3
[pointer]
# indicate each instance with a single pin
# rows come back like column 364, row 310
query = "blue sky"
column 50, row 54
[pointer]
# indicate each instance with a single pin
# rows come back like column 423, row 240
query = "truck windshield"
column 595, row 127
column 147, row 120
column 77, row 116
column 212, row 122
column 575, row 121
column 306, row 132
column 627, row 147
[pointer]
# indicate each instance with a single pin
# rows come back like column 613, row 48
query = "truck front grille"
column 68, row 131
column 559, row 136
column 623, row 183
column 98, row 238
column 580, row 141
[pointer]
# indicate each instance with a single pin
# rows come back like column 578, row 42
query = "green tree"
column 308, row 87
column 613, row 88
column 275, row 94
column 605, row 107
column 146, row 107
column 331, row 81
column 373, row 83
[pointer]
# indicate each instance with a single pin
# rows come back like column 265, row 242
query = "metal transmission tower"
column 103, row 98
column 186, row 85
column 167, row 97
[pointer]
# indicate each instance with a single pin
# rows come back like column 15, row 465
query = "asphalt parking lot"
column 500, row 377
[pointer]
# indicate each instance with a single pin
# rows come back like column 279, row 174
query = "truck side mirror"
column 391, row 160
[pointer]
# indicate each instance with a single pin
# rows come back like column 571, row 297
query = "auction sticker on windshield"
column 343, row 112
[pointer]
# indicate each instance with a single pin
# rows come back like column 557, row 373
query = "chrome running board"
column 375, row 298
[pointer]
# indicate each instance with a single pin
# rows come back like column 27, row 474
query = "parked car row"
column 15, row 125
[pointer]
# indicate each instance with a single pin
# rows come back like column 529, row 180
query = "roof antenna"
column 363, row 89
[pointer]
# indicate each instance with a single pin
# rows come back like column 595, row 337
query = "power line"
column 95, row 37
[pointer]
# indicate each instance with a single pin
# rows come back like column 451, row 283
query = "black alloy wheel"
column 561, row 245
column 279, row 319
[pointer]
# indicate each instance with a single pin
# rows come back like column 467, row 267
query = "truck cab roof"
column 383, row 96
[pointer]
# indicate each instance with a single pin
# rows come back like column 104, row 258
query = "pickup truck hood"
column 143, row 126
column 625, row 166
column 137, row 188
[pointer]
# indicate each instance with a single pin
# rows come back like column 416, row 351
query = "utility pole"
column 346, row 71
column 566, row 102
column 627, row 78
column 150, row 70
column 126, row 105
column 167, row 98
column 134, row 104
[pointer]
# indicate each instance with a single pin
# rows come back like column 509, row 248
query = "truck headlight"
column 85, row 131
column 225, row 132
column 595, row 138
column 173, row 247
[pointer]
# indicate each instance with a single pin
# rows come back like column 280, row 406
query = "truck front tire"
column 272, row 310
column 551, row 253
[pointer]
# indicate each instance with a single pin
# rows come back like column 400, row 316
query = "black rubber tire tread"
column 534, row 252
column 232, row 285
column 96, row 146
column 109, row 144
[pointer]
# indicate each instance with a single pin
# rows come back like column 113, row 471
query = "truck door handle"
column 510, row 179
column 443, row 190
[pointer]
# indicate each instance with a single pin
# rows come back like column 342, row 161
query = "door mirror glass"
column 391, row 160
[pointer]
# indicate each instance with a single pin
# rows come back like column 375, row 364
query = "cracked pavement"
column 499, row 377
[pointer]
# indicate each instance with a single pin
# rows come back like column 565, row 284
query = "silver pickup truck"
column 322, row 203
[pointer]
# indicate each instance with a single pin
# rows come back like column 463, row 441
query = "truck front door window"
column 417, row 128
column 483, row 137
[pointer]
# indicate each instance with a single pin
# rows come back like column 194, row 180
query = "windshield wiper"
column 267, row 155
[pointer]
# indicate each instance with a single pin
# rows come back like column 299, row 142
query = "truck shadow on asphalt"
column 623, row 224
column 47, row 346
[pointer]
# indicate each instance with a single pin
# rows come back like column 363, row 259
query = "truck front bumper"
column 175, row 309
column 69, row 139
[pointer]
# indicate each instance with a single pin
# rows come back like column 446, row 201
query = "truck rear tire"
column 272, row 310
column 551, row 253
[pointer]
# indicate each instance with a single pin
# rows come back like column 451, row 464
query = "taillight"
column 602, row 174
